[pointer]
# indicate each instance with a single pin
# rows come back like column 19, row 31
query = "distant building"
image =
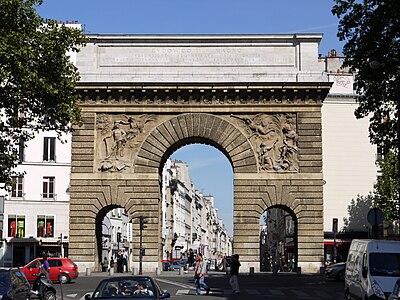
column 36, row 207
column 349, row 159
column 190, row 220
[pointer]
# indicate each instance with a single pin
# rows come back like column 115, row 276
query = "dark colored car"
column 128, row 287
column 177, row 264
column 61, row 269
column 336, row 271
column 13, row 284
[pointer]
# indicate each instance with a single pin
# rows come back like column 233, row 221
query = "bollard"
column 111, row 271
column 88, row 271
column 275, row 269
column 180, row 271
column 251, row 271
column 298, row 270
column 135, row 271
column 158, row 271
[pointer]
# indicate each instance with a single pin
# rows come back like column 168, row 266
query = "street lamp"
column 375, row 64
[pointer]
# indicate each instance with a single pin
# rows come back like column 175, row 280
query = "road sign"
column 375, row 216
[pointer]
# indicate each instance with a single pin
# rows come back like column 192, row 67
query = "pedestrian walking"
column 200, row 273
column 234, row 280
column 112, row 263
column 46, row 265
column 120, row 262
column 125, row 260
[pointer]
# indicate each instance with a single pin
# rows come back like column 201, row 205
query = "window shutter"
column 52, row 148
column 46, row 149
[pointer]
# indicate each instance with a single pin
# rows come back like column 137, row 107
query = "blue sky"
column 209, row 169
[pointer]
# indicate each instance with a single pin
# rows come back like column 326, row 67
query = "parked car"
column 61, row 269
column 13, row 284
column 336, row 271
column 135, row 287
column 166, row 265
column 177, row 264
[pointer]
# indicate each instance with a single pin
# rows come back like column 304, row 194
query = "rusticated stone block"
column 73, row 251
column 79, row 162
column 306, row 253
column 77, row 139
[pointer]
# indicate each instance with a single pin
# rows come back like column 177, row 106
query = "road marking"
column 253, row 292
column 276, row 292
column 83, row 297
column 71, row 295
column 182, row 292
column 227, row 292
column 182, row 285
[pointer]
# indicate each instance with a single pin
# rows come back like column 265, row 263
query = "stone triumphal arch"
column 257, row 98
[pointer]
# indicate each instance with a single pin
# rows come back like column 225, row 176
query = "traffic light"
column 118, row 237
column 143, row 222
column 335, row 225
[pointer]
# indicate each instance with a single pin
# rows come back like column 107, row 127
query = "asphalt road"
column 259, row 286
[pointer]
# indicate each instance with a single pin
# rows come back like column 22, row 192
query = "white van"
column 372, row 269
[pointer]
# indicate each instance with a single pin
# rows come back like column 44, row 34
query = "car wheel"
column 64, row 278
column 341, row 275
column 49, row 295
column 347, row 295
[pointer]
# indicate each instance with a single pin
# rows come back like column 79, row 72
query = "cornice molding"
column 203, row 94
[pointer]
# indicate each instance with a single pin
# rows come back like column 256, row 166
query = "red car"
column 61, row 269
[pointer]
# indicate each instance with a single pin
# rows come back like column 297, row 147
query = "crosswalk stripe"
column 182, row 292
column 71, row 295
column 275, row 292
column 227, row 292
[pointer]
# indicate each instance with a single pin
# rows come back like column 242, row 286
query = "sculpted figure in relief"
column 118, row 141
column 276, row 139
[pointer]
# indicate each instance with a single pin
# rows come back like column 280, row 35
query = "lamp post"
column 375, row 64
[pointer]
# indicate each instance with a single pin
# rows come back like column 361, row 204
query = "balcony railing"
column 48, row 197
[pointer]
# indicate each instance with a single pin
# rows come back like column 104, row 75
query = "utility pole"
column 142, row 222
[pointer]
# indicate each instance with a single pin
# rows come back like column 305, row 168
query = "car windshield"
column 125, row 288
column 384, row 264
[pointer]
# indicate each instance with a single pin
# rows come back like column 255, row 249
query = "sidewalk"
column 190, row 273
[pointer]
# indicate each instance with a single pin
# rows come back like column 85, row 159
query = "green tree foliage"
column 358, row 211
column 370, row 29
column 387, row 187
column 37, row 78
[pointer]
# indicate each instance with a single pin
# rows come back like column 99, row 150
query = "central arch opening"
column 197, row 205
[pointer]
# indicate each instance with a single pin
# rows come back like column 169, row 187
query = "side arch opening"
column 112, row 239
column 278, row 240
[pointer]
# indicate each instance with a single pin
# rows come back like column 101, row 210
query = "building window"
column 48, row 188
column 17, row 187
column 16, row 226
column 49, row 147
column 45, row 226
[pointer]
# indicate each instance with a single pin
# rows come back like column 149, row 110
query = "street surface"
column 259, row 286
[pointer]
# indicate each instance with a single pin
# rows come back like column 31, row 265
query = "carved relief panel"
column 274, row 136
column 117, row 140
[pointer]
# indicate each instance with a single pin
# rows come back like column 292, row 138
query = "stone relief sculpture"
column 275, row 138
column 117, row 139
